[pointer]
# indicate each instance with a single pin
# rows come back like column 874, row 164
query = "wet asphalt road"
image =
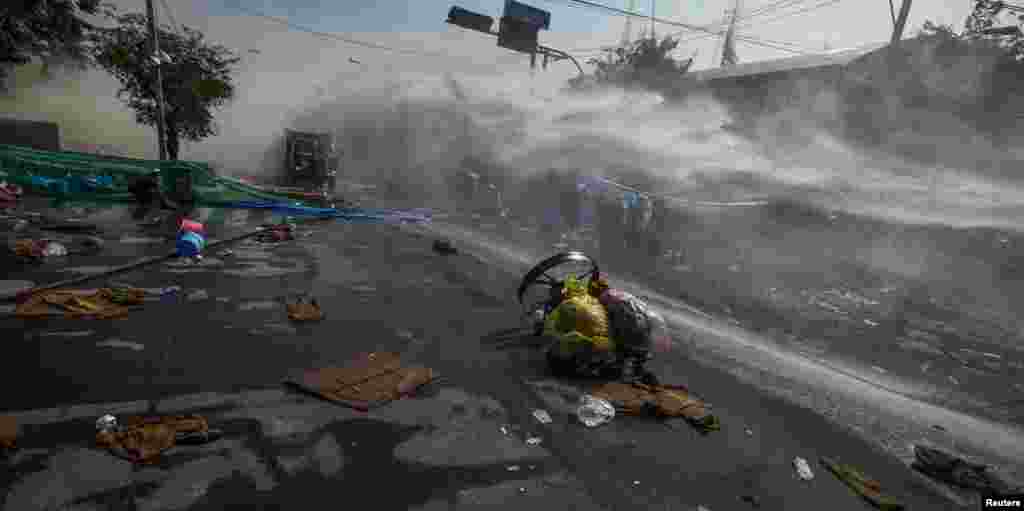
column 383, row 288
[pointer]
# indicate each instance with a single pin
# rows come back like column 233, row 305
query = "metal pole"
column 155, row 41
column 901, row 21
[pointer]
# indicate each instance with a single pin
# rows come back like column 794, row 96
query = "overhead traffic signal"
column 469, row 19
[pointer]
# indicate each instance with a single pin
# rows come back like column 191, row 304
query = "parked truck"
column 311, row 160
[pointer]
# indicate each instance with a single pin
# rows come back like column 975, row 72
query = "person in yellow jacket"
column 581, row 337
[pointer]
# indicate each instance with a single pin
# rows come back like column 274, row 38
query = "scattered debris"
column 542, row 416
column 660, row 401
column 594, row 411
column 36, row 250
column 533, row 440
column 170, row 293
column 11, row 288
column 753, row 500
column 369, row 381
column 198, row 295
column 8, row 432
column 89, row 303
column 187, row 225
column 277, row 234
column 444, row 247
column 144, row 439
column 956, row 471
column 803, row 469
column 117, row 343
column 304, row 309
column 106, row 423
column 869, row 489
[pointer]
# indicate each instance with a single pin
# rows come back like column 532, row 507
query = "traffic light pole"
column 547, row 52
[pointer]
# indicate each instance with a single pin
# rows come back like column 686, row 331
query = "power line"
column 693, row 28
column 760, row 11
column 787, row 15
column 335, row 37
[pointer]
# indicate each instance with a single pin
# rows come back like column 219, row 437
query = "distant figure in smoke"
column 658, row 229
column 609, row 227
column 633, row 212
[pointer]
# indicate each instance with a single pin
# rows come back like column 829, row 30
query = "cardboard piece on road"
column 369, row 381
column 657, row 400
column 8, row 432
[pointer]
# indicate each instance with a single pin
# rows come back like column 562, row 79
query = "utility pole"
column 627, row 33
column 652, row 19
column 901, row 21
column 157, row 56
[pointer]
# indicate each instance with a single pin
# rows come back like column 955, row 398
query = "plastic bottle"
column 594, row 411
column 803, row 469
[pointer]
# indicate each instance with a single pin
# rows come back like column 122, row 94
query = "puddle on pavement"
column 259, row 305
column 265, row 269
column 141, row 240
column 68, row 334
column 89, row 270
column 274, row 329
column 118, row 343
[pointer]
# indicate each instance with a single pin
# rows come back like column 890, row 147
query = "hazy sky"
column 837, row 23
column 285, row 69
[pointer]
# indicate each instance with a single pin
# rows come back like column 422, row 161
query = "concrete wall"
column 84, row 105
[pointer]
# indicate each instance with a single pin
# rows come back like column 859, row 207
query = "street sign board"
column 469, row 19
column 538, row 18
column 516, row 35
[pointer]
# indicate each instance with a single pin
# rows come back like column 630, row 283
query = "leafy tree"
column 997, row 22
column 52, row 30
column 197, row 76
column 645, row 62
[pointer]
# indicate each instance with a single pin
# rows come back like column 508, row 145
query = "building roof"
column 832, row 58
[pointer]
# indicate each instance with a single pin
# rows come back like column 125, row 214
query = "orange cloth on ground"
column 8, row 432
column 640, row 399
column 76, row 303
column 304, row 311
column 143, row 439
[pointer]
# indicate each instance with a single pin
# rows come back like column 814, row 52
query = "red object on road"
column 191, row 226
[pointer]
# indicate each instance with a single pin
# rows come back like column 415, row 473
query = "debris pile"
column 144, row 439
